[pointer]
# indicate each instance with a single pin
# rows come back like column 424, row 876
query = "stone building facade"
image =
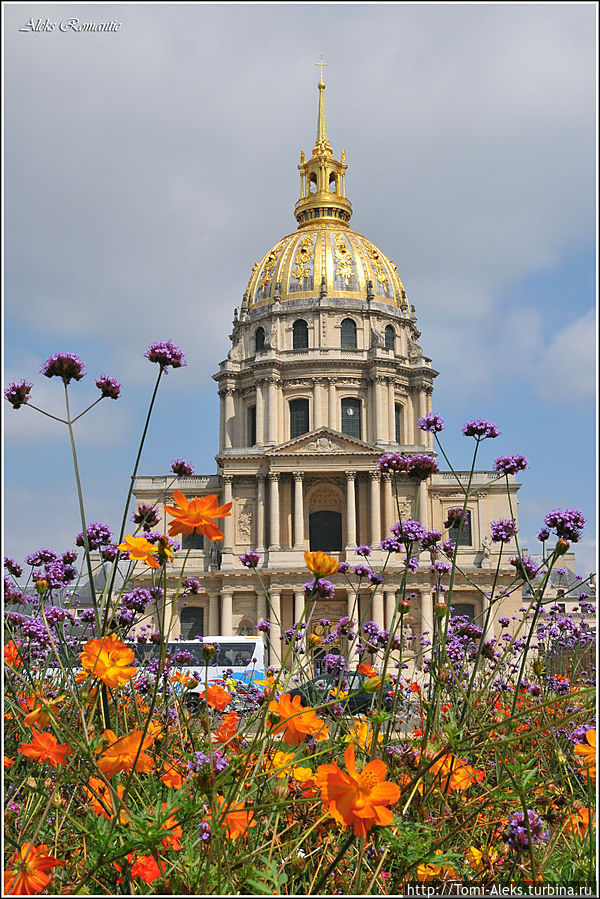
column 324, row 375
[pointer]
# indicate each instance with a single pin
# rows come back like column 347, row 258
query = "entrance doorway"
column 325, row 530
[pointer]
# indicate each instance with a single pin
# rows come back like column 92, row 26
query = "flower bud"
column 444, row 676
column 403, row 606
column 208, row 651
column 441, row 607
column 281, row 790
column 41, row 585
column 273, row 717
column 562, row 546
column 315, row 639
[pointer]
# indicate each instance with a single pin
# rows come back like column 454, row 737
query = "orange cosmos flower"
column 579, row 823
column 454, row 774
column 25, row 874
column 368, row 670
column 320, row 563
column 357, row 798
column 361, row 732
column 172, row 777
column 8, row 762
column 12, row 657
column 40, row 713
column 227, row 728
column 236, row 818
column 587, row 751
column 216, row 697
column 120, row 754
column 46, row 748
column 100, row 799
column 427, row 873
column 297, row 722
column 140, row 550
column 147, row 868
column 197, row 515
column 108, row 659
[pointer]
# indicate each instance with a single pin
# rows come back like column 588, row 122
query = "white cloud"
column 566, row 371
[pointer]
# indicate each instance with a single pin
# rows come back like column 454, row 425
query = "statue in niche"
column 377, row 339
column 486, row 552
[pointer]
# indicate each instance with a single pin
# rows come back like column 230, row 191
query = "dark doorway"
column 326, row 531
column 192, row 622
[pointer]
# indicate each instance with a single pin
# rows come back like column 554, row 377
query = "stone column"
column 377, row 609
column 229, row 418
column 272, row 411
column 333, row 424
column 298, row 606
column 222, row 419
column 379, row 410
column 274, row 537
column 316, row 417
column 260, row 513
column 261, row 607
column 228, row 521
column 298, row 510
column 389, row 503
column 275, row 632
column 226, row 612
column 350, row 510
column 375, row 529
column 391, row 411
column 409, row 418
column 213, row 615
column 423, row 502
column 427, row 613
column 420, row 436
column 260, row 414
column 390, row 605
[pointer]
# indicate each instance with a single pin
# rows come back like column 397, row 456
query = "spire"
column 322, row 140
column 322, row 177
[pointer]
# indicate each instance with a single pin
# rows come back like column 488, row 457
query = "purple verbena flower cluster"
column 146, row 516
column 18, row 393
column 191, row 585
column 98, row 535
column 480, row 428
column 511, row 464
column 12, row 566
column 503, row 530
column 67, row 366
column 431, row 422
column 567, row 523
column 166, row 354
column 523, row 832
column 108, row 387
column 182, row 468
column 250, row 559
column 421, row 466
column 408, row 531
column 455, row 516
column 525, row 566
column 363, row 550
column 138, row 600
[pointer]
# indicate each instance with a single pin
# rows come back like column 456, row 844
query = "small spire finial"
column 321, row 63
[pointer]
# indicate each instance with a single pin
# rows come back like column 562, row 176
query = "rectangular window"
column 463, row 538
column 298, row 417
column 192, row 622
column 252, row 426
column 464, row 608
column 398, row 420
column 193, row 541
column 351, row 424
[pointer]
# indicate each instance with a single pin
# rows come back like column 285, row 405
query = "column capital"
column 261, row 476
column 375, row 475
column 229, row 391
column 273, row 475
column 227, row 479
column 350, row 475
column 332, row 381
column 298, row 475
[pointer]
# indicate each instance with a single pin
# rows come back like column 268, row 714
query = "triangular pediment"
column 324, row 440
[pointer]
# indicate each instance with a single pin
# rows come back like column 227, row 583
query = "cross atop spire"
column 321, row 63
column 322, row 141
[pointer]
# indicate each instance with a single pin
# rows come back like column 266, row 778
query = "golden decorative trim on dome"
column 303, row 257
column 376, row 263
column 343, row 259
column 270, row 264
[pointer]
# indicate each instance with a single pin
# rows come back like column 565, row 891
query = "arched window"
column 464, row 536
column 348, row 334
column 333, row 183
column 312, row 184
column 390, row 338
column 300, row 329
column 259, row 340
column 298, row 417
column 351, row 424
column 398, row 420
column 252, row 426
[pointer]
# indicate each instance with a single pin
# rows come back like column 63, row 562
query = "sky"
column 147, row 168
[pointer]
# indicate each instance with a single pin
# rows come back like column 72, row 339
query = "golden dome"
column 324, row 257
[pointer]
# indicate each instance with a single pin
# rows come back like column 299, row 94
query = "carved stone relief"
column 245, row 514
